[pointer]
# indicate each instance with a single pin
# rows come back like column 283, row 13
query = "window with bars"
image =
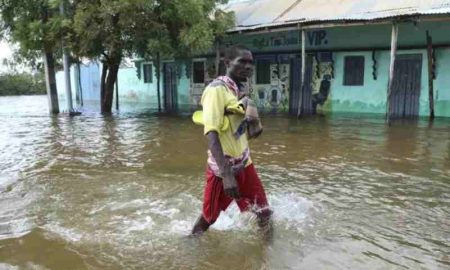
column 263, row 71
column 148, row 76
column 354, row 70
column 199, row 72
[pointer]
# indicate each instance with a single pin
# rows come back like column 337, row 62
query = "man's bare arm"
column 226, row 172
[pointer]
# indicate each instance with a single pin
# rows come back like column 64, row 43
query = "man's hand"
column 237, row 168
column 230, row 187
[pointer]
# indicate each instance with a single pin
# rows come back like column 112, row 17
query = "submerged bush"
column 22, row 84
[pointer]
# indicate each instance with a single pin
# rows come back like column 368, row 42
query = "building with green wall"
column 347, row 59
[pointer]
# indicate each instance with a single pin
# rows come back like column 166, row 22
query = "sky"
column 5, row 52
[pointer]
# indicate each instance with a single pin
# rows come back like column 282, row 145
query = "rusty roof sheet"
column 266, row 13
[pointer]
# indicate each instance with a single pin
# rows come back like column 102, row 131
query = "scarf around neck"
column 230, row 84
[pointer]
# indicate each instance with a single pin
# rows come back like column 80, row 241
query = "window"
column 263, row 71
column 222, row 68
column 199, row 72
column 354, row 70
column 148, row 76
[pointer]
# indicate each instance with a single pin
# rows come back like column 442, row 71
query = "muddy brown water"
column 122, row 192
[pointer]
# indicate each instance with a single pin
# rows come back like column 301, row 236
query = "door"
column 170, row 87
column 405, row 95
column 304, row 94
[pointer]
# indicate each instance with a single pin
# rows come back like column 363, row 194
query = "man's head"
column 239, row 63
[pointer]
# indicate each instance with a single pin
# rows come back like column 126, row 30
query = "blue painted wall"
column 133, row 92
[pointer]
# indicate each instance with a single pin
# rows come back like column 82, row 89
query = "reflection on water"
column 122, row 192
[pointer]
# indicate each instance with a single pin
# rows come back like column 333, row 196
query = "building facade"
column 348, row 63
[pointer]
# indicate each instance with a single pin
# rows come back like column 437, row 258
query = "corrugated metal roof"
column 328, row 10
column 251, row 13
column 242, row 10
column 265, row 13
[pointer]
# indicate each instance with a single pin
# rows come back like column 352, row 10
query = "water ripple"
column 122, row 192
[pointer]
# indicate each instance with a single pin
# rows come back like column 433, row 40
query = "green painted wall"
column 379, row 36
column 144, row 95
column 349, row 37
column 184, row 84
column 424, row 103
column 133, row 89
column 442, row 83
column 370, row 97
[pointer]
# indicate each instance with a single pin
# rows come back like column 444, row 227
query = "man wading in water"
column 229, row 119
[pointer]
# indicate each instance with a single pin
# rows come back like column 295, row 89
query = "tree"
column 37, row 27
column 22, row 84
column 112, row 29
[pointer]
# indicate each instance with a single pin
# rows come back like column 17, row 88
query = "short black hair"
column 233, row 51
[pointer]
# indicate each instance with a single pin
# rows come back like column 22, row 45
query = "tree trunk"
column 102, row 86
column 49, row 66
column 108, row 83
column 50, row 81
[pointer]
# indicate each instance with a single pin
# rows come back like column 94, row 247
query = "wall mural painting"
column 274, row 97
column 195, row 100
column 322, row 76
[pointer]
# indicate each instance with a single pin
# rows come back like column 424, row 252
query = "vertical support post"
column 77, row 85
column 394, row 37
column 302, row 84
column 80, row 87
column 217, row 63
column 66, row 64
column 430, row 74
column 158, row 80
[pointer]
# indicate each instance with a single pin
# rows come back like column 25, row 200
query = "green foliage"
column 112, row 29
column 191, row 26
column 34, row 25
column 108, row 28
column 22, row 84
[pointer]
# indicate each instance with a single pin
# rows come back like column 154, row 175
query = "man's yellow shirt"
column 214, row 101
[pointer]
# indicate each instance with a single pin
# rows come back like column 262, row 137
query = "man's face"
column 241, row 67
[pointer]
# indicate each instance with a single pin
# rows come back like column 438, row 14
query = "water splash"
column 291, row 210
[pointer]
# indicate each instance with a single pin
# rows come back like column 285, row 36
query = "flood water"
column 122, row 192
